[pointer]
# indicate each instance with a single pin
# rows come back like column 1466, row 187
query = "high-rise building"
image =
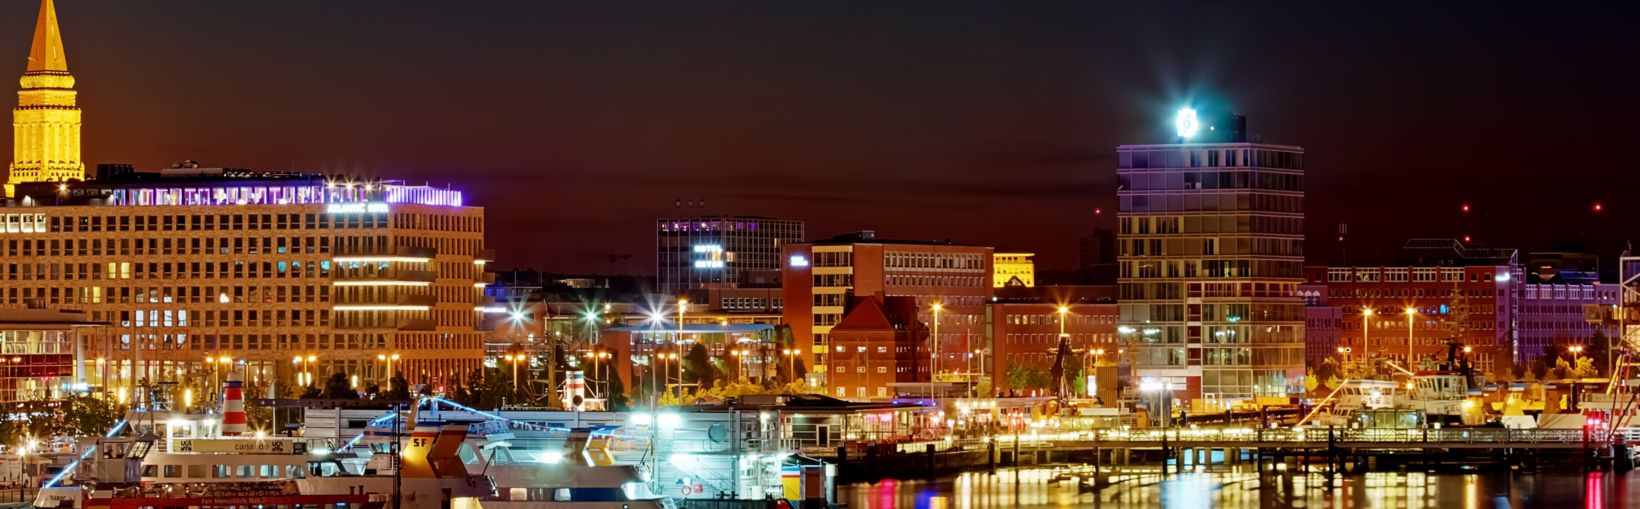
column 1013, row 269
column 1210, row 253
column 718, row 251
column 819, row 278
column 194, row 264
column 46, row 122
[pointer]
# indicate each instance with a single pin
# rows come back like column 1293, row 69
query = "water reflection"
column 1138, row 487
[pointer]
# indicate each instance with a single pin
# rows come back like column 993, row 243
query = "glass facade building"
column 718, row 251
column 1210, row 256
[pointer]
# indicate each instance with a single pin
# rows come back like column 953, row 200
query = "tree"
column 339, row 387
column 1025, row 377
column 698, row 368
column 617, row 400
column 398, row 388
column 87, row 416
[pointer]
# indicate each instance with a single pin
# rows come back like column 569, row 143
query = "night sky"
column 576, row 125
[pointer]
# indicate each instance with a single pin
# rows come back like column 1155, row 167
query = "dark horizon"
column 578, row 125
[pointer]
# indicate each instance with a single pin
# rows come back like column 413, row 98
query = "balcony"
column 398, row 254
column 485, row 256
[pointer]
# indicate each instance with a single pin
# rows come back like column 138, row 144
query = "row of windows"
column 954, row 261
column 1212, row 246
column 1217, row 223
column 1132, row 203
column 170, row 246
column 1071, row 319
column 1209, row 180
column 157, row 270
column 940, row 281
column 1209, row 158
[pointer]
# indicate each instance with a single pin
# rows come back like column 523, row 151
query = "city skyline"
column 1006, row 138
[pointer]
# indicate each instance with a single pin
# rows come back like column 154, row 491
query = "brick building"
column 1470, row 305
column 1322, row 324
column 820, row 277
column 879, row 341
column 1024, row 335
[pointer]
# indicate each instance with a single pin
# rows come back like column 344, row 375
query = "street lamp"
column 515, row 359
column 934, row 349
column 1365, row 328
column 1410, row 314
column 388, row 358
column 791, row 363
column 1066, row 341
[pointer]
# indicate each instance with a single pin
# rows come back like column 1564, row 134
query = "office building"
column 718, row 251
column 291, row 275
column 1210, row 253
column 1013, row 269
column 1556, row 316
column 1322, row 325
column 1025, row 339
column 1448, row 296
column 820, row 277
column 261, row 268
column 46, row 355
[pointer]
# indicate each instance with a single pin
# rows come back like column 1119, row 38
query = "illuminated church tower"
column 46, row 122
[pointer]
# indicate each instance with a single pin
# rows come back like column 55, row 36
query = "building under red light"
column 878, row 342
column 819, row 278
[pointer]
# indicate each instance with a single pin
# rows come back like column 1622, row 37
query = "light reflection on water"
column 1027, row 488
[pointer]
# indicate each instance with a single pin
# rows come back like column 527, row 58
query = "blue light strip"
column 118, row 426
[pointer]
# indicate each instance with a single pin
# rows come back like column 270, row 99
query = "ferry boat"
column 169, row 459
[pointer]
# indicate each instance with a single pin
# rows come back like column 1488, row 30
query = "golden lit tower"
column 46, row 122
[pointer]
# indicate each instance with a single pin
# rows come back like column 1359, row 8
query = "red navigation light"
column 1598, row 207
column 1466, row 208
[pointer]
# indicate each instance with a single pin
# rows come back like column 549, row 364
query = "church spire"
column 47, row 53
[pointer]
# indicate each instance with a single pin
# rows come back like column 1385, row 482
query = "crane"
column 612, row 258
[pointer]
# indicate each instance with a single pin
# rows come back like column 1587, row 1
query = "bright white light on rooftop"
column 1187, row 123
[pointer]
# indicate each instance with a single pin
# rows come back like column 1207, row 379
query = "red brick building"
column 879, row 341
column 1025, row 334
column 1472, row 305
column 820, row 277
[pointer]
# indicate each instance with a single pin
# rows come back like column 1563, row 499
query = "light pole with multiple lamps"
column 934, row 350
column 1366, row 329
column 388, row 358
column 1411, row 313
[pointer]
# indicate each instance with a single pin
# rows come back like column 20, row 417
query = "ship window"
column 173, row 471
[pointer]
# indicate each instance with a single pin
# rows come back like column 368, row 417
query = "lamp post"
column 1365, row 328
column 1062, row 312
column 791, row 363
column 1098, row 356
column 934, row 350
column 388, row 358
column 1410, row 314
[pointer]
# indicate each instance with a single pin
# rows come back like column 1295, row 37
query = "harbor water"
column 1048, row 487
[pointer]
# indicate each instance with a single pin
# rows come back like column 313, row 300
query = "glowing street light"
column 388, row 358
column 1410, row 314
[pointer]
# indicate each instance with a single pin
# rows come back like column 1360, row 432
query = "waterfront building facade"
column 1210, row 254
column 286, row 274
column 819, row 278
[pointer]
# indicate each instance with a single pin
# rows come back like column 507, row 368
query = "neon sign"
column 356, row 208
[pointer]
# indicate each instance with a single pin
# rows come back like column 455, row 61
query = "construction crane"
column 612, row 258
